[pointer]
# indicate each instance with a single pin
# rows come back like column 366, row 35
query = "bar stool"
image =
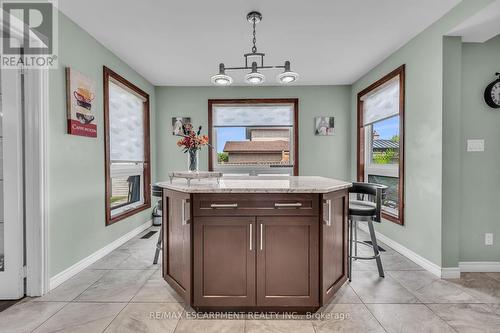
column 366, row 208
column 157, row 192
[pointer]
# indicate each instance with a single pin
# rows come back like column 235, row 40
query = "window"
column 126, row 126
column 381, row 140
column 254, row 137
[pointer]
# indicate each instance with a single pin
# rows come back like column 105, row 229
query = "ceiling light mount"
column 254, row 77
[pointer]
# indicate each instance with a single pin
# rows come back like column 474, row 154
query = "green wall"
column 76, row 164
column 480, row 170
column 452, row 147
column 319, row 155
column 423, row 57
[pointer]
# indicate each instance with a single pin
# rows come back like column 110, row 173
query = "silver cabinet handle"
column 183, row 212
column 235, row 205
column 251, row 238
column 261, row 235
column 295, row 204
column 328, row 221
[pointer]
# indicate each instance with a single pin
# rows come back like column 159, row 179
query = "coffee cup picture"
column 80, row 96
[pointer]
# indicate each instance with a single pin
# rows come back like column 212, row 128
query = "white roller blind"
column 126, row 125
column 254, row 115
column 381, row 103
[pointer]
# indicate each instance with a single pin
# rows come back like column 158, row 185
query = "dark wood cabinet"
column 224, row 261
column 334, row 243
column 287, row 261
column 255, row 252
column 177, row 241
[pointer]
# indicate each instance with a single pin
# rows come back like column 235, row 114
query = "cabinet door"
column 224, row 261
column 334, row 243
column 287, row 261
column 177, row 241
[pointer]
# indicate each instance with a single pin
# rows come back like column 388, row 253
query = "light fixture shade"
column 254, row 78
column 287, row 77
column 221, row 80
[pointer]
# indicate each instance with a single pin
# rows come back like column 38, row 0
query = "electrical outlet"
column 488, row 239
column 475, row 145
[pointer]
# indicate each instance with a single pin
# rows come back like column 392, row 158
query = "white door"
column 11, row 186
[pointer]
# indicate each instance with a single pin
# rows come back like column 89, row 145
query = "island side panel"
column 334, row 243
column 176, row 250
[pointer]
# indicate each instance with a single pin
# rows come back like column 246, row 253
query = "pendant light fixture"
column 254, row 77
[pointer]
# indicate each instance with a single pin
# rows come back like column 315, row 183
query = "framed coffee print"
column 80, row 95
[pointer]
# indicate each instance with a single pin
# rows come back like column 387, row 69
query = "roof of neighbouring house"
column 256, row 146
column 385, row 144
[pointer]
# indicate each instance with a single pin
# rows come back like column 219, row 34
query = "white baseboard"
column 85, row 262
column 479, row 266
column 450, row 273
column 416, row 258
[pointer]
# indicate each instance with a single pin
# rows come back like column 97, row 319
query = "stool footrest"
column 366, row 258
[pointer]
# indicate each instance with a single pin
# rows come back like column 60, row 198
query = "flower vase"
column 193, row 160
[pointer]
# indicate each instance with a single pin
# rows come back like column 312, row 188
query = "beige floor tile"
column 111, row 260
column 157, row 289
column 466, row 318
column 430, row 289
column 82, row 318
column 116, row 286
column 481, row 286
column 210, row 326
column 278, row 326
column 408, row 318
column 345, row 295
column 352, row 318
column 142, row 259
column 147, row 318
column 493, row 275
column 26, row 316
column 373, row 289
column 70, row 289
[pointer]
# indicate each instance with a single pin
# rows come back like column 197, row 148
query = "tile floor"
column 124, row 292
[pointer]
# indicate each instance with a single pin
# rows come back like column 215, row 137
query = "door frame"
column 36, row 84
column 36, row 106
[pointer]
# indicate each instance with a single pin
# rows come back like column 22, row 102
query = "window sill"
column 392, row 218
column 112, row 219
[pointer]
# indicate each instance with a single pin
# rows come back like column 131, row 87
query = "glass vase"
column 193, row 160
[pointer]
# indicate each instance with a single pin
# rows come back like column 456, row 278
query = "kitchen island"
column 266, row 243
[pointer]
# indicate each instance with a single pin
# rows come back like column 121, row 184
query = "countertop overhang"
column 258, row 184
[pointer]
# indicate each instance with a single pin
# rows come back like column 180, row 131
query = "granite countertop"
column 258, row 184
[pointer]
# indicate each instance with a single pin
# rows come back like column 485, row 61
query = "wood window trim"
column 294, row 101
column 361, row 138
column 107, row 75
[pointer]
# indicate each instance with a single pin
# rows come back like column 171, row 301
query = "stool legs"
column 158, row 246
column 375, row 249
column 350, row 250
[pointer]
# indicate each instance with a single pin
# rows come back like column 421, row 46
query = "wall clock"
column 492, row 93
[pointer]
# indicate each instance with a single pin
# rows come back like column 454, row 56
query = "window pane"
column 125, row 190
column 385, row 141
column 253, row 146
column 126, row 125
column 253, row 115
column 381, row 103
column 390, row 202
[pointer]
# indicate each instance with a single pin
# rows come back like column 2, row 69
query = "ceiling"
column 182, row 42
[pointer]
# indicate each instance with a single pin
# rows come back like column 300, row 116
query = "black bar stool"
column 157, row 192
column 366, row 208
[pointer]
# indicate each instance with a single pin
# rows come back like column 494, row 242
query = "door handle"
column 295, row 204
column 251, row 238
column 261, row 235
column 234, row 205
column 328, row 221
column 183, row 212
